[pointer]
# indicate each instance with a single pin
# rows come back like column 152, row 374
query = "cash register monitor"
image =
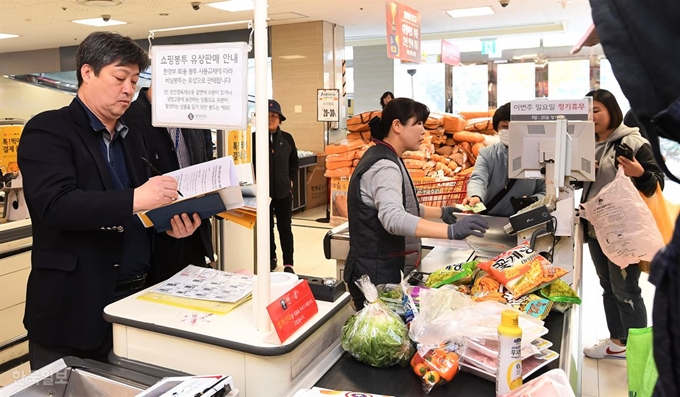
column 532, row 145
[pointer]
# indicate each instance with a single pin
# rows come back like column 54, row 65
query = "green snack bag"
column 559, row 291
column 453, row 274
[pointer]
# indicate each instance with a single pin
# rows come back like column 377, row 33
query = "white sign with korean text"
column 328, row 105
column 200, row 85
column 549, row 109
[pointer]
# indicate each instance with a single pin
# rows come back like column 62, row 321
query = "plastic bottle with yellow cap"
column 509, row 375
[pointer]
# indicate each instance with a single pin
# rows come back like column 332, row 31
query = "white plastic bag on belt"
column 623, row 223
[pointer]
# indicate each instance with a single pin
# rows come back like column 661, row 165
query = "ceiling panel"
column 47, row 23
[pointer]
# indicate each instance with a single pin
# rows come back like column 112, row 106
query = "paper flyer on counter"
column 207, row 284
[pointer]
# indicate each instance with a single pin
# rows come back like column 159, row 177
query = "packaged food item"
column 435, row 366
column 531, row 304
column 522, row 270
column 559, row 291
column 486, row 288
column 509, row 373
column 459, row 274
column 376, row 335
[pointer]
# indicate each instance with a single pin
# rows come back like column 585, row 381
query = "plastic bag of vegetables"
column 376, row 335
column 436, row 365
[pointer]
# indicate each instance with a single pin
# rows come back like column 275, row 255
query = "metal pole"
column 262, row 141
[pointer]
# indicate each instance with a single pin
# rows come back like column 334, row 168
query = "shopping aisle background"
column 605, row 378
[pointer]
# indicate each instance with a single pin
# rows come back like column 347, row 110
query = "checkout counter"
column 563, row 328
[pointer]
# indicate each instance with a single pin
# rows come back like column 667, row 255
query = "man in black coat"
column 83, row 179
column 283, row 168
column 170, row 149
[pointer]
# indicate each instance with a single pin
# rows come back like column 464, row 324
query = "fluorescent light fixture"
column 8, row 36
column 470, row 12
column 292, row 56
column 99, row 22
column 234, row 5
column 525, row 56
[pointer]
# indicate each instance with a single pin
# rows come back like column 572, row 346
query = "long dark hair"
column 385, row 95
column 609, row 101
column 402, row 109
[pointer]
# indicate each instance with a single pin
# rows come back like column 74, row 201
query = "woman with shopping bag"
column 618, row 145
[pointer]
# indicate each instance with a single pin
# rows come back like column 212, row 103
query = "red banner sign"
column 292, row 309
column 403, row 32
column 450, row 54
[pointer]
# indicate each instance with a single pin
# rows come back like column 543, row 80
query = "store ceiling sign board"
column 328, row 105
column 403, row 32
column 572, row 109
column 450, row 53
column 200, row 85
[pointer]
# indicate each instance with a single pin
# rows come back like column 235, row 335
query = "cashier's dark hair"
column 501, row 114
column 402, row 109
column 104, row 48
column 609, row 101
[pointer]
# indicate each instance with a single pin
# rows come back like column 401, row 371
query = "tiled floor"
column 606, row 378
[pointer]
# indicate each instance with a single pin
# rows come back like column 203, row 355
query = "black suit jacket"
column 171, row 255
column 79, row 221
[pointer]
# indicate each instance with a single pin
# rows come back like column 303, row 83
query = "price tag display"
column 328, row 105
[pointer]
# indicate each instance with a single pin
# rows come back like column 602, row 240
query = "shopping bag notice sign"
column 292, row 310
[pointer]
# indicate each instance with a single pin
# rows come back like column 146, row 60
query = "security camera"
column 504, row 3
column 106, row 18
column 196, row 5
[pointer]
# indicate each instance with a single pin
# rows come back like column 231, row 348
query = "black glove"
column 473, row 225
column 447, row 214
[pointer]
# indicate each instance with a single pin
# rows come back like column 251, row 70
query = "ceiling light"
column 8, row 36
column 525, row 56
column 470, row 12
column 234, row 5
column 292, row 56
column 101, row 3
column 99, row 22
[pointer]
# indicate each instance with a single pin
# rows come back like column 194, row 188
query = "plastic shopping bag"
column 376, row 335
column 664, row 213
column 642, row 372
column 623, row 223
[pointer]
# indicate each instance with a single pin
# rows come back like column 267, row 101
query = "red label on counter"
column 292, row 309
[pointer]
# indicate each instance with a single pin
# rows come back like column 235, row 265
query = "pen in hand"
column 155, row 171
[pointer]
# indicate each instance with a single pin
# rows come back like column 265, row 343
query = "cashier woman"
column 386, row 221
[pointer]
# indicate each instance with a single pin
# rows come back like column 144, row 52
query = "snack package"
column 559, row 291
column 436, row 365
column 522, row 270
column 459, row 274
column 376, row 335
column 486, row 288
column 531, row 304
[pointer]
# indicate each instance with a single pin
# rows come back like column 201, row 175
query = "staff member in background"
column 170, row 149
column 283, row 168
column 83, row 179
column 386, row 97
column 489, row 181
column 385, row 219
column 624, row 307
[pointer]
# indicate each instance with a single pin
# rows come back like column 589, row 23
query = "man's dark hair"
column 402, row 109
column 501, row 114
column 609, row 101
column 104, row 48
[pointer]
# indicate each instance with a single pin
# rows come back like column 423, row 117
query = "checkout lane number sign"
column 328, row 105
column 200, row 85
